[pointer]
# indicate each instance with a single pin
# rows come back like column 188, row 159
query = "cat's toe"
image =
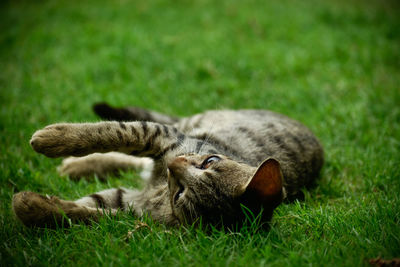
column 81, row 168
column 71, row 167
column 33, row 209
column 49, row 141
column 57, row 140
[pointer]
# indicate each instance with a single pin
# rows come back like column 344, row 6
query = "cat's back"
column 253, row 133
column 252, row 136
column 216, row 120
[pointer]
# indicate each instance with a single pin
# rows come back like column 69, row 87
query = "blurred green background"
column 334, row 65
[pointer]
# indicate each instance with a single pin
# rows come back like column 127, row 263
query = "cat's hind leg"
column 104, row 164
column 34, row 209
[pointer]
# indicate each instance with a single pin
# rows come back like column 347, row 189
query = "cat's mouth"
column 179, row 192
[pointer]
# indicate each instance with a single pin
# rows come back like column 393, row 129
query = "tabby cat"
column 207, row 166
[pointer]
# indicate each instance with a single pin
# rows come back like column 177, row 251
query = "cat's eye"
column 208, row 161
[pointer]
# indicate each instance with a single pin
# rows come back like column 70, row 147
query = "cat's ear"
column 265, row 187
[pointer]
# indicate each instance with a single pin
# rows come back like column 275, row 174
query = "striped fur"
column 182, row 187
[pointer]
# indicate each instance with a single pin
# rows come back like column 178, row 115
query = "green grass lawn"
column 334, row 65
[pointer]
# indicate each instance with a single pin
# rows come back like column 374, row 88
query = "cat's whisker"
column 192, row 149
column 207, row 137
column 192, row 210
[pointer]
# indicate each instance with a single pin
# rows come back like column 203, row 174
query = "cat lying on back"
column 205, row 166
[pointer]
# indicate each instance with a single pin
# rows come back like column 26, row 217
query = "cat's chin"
column 178, row 215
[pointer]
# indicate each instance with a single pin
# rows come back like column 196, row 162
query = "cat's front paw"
column 81, row 167
column 59, row 140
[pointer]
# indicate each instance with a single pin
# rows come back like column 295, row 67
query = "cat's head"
column 214, row 188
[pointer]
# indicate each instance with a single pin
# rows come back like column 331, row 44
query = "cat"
column 208, row 168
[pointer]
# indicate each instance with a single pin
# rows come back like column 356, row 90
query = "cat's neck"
column 154, row 200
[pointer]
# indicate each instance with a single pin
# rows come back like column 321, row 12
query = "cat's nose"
column 177, row 166
column 181, row 159
column 177, row 162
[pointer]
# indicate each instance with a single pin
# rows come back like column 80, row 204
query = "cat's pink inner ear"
column 266, row 184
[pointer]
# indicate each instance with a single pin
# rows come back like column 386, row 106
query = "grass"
column 334, row 65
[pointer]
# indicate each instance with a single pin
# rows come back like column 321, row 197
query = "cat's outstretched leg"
column 102, row 165
column 45, row 211
column 132, row 138
column 107, row 112
column 144, row 139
